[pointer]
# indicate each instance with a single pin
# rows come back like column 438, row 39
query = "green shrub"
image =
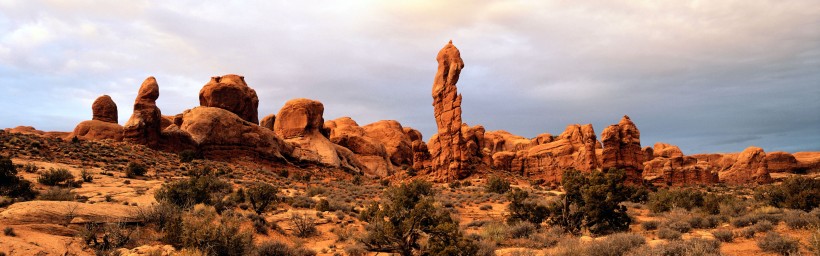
column 497, row 185
column 668, row 233
column 591, row 202
column 11, row 185
column 204, row 229
column 521, row 208
column 796, row 192
column 774, row 242
column 665, row 200
column 54, row 177
column 495, row 231
column 723, row 235
column 203, row 188
column 134, row 169
column 650, row 225
column 262, row 196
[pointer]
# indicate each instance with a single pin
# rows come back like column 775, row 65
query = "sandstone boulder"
column 370, row 152
column 145, row 125
column 622, row 149
column 572, row 149
column 782, row 162
column 809, row 160
column 104, row 109
column 396, row 143
column 97, row 130
column 221, row 134
column 268, row 121
column 230, row 92
column 666, row 150
column 750, row 167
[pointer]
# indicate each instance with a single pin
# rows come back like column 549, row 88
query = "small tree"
column 408, row 213
column 497, row 185
column 591, row 202
column 134, row 169
column 12, row 185
column 523, row 209
column 261, row 195
column 202, row 188
column 795, row 193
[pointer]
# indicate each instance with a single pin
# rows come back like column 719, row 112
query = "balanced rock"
column 750, row 166
column 230, row 92
column 145, row 125
column 268, row 121
column 622, row 149
column 104, row 109
column 449, row 156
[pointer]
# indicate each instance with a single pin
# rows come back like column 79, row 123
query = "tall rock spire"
column 447, row 147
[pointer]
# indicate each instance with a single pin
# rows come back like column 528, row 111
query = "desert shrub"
column 796, row 192
column 521, row 208
column 486, row 248
column 343, row 233
column 723, row 235
column 497, row 185
column 495, row 231
column 591, row 202
column 323, row 205
column 11, row 185
column 355, row 250
column 188, row 155
column 9, row 231
column 695, row 246
column 357, row 180
column 455, row 184
column 762, row 226
column 667, row 199
column 637, row 194
column 165, row 217
column 134, row 169
column 814, row 242
column 680, row 226
column 204, row 229
column 407, row 212
column 746, row 232
column 57, row 194
column 304, row 225
column 485, row 207
column 614, row 245
column 522, row 229
column 668, row 233
column 54, row 177
column 316, row 190
column 650, row 225
column 774, row 242
column 108, row 236
column 747, row 220
column 86, row 176
column 261, row 196
column 276, row 248
column 202, row 188
column 301, row 202
column 796, row 219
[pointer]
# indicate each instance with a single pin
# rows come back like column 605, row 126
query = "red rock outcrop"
column 574, row 148
column 622, row 149
column 220, row 134
column 144, row 126
column 230, row 92
column 300, row 122
column 648, row 153
column 782, row 162
column 370, row 152
column 809, row 160
column 678, row 171
column 268, row 121
column 421, row 155
column 447, row 147
column 666, row 150
column 750, row 167
column 104, row 109
column 396, row 143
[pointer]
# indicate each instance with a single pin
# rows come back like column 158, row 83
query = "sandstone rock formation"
column 572, row 149
column 220, row 134
column 448, row 147
column 396, row 143
column 300, row 122
column 750, row 166
column 103, row 124
column 144, row 126
column 810, row 161
column 782, row 162
column 666, row 150
column 370, row 152
column 230, row 92
column 421, row 155
column 268, row 121
column 104, row 109
column 622, row 149
column 678, row 171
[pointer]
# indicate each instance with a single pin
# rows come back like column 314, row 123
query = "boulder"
column 104, row 109
column 504, row 141
column 370, row 152
column 396, row 143
column 572, row 149
column 230, row 92
column 97, row 130
column 221, row 134
column 145, row 125
column 622, row 149
column 268, row 121
column 449, row 156
column 782, row 162
column 666, row 150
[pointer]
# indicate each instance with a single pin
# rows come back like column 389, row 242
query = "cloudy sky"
column 709, row 76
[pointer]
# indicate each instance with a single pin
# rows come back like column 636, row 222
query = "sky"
column 708, row 76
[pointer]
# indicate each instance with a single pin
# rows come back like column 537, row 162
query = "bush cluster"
column 497, row 185
column 55, row 177
column 12, row 185
column 202, row 188
column 796, row 192
column 591, row 202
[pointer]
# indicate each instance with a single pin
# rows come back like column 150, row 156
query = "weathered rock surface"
column 421, row 154
column 782, row 162
column 574, row 148
column 448, row 152
column 145, row 125
column 396, row 143
column 370, row 152
column 221, row 134
column 104, row 109
column 300, row 122
column 97, row 130
column 622, row 149
column 230, row 92
column 809, row 160
column 268, row 121
column 666, row 150
column 678, row 171
column 749, row 167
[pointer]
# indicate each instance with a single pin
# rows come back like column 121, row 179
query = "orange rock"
column 449, row 157
column 221, row 134
column 648, row 153
column 396, row 143
column 104, row 109
column 666, row 150
column 572, row 149
column 370, row 152
column 678, row 171
column 750, row 167
column 145, row 125
column 268, row 121
column 230, row 92
column 782, row 162
column 622, row 149
column 97, row 130
column 809, row 160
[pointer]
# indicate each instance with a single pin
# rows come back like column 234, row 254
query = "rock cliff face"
column 622, row 149
column 449, row 157
column 782, row 162
column 669, row 167
column 144, row 126
column 750, row 166
column 369, row 151
column 230, row 92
